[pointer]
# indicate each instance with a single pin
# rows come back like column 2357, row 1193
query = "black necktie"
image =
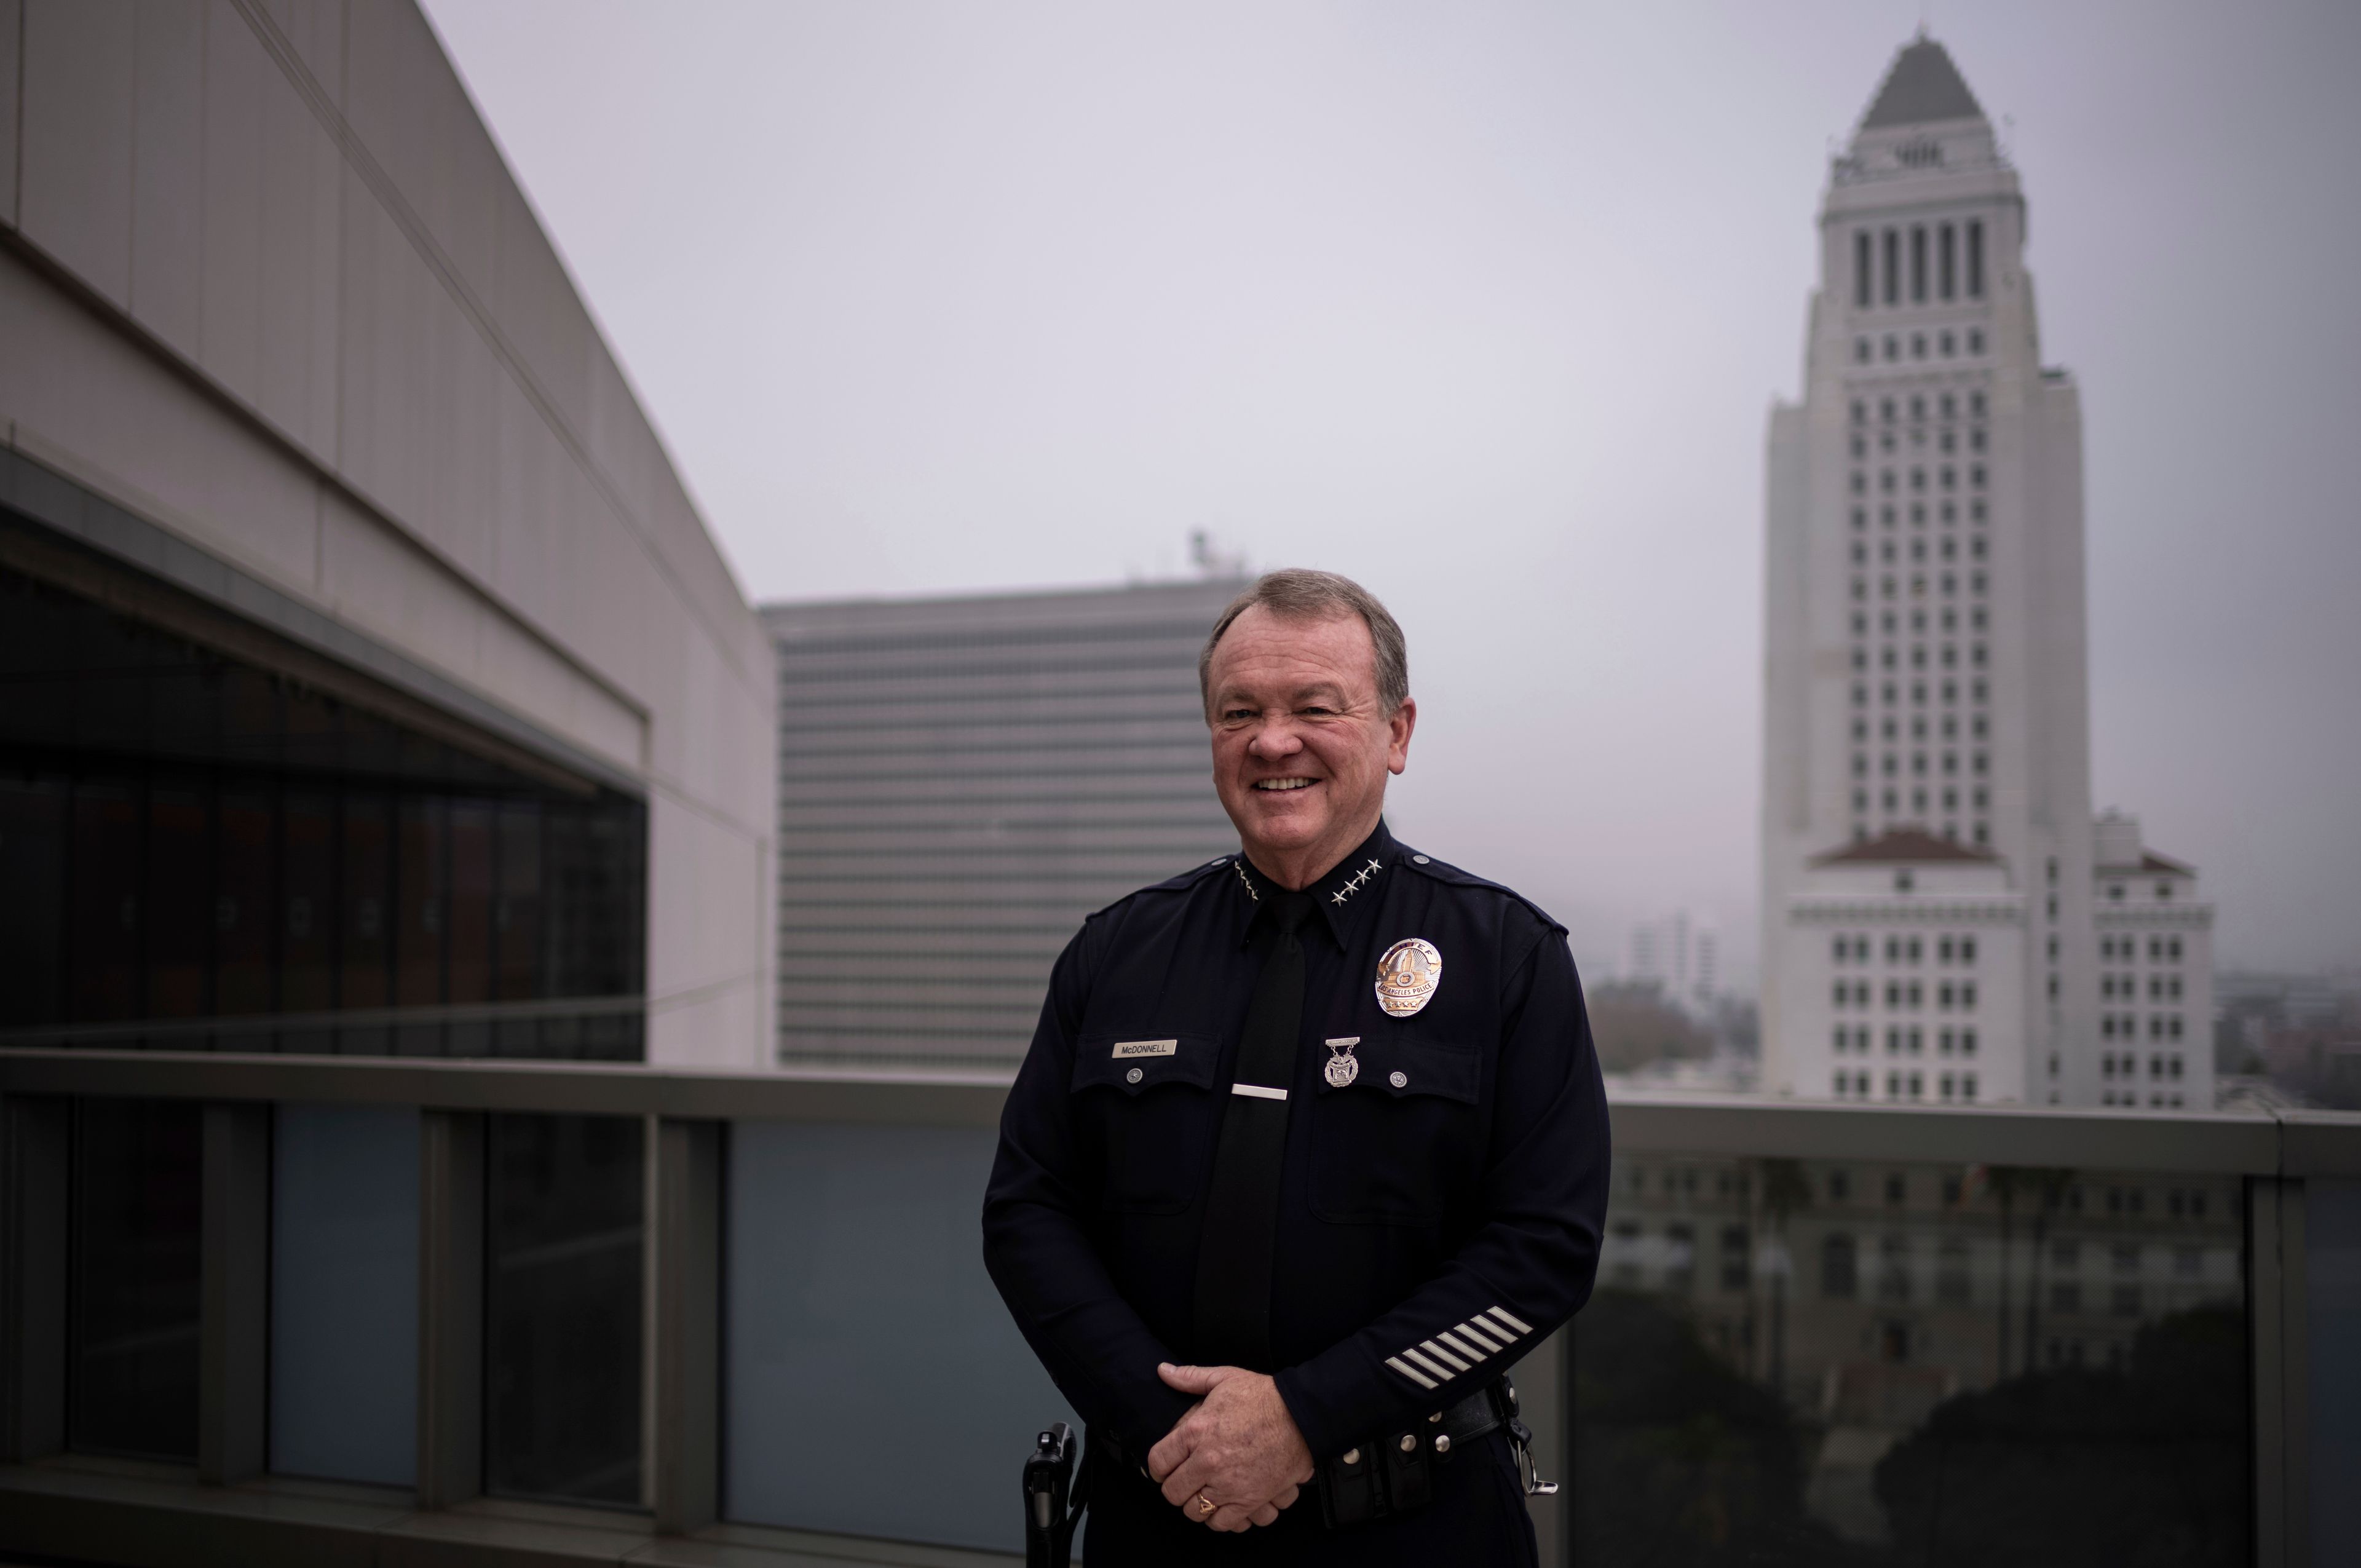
column 1234, row 1254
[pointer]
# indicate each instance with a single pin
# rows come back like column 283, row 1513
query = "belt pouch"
column 1410, row 1480
column 1349, row 1491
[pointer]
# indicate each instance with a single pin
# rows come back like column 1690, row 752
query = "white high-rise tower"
column 1929, row 931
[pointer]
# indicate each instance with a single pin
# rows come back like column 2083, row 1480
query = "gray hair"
column 1297, row 594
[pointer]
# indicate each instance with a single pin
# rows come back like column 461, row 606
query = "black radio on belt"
column 1396, row 1474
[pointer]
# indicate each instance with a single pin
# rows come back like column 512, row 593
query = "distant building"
column 2156, row 974
column 1679, row 959
column 372, row 683
column 961, row 780
column 1927, row 750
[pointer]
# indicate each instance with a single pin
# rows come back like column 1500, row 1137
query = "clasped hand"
column 1238, row 1447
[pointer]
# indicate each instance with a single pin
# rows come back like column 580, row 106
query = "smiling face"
column 1302, row 741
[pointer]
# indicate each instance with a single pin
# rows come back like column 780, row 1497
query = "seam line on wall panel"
column 422, row 239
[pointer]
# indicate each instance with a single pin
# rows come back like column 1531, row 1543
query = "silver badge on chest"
column 1407, row 977
column 1342, row 1067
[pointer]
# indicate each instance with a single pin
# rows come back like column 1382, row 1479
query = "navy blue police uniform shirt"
column 1437, row 1216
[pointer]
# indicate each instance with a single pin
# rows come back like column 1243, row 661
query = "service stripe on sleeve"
column 1412, row 1373
column 1460, row 1348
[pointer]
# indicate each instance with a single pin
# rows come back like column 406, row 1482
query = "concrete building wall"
column 266, row 284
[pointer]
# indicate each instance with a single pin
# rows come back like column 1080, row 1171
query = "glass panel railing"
column 138, row 1197
column 564, row 1250
column 344, row 1293
column 2332, row 1336
column 1797, row 1362
column 874, row 1383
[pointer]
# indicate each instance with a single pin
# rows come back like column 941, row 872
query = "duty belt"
column 1394, row 1473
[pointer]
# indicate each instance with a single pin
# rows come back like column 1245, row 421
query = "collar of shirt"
column 1338, row 898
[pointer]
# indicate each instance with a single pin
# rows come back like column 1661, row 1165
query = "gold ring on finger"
column 1204, row 1504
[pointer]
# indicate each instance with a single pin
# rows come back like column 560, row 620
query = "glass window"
column 1862, row 280
column 138, row 1210
column 232, row 857
column 1976, row 266
column 561, row 1320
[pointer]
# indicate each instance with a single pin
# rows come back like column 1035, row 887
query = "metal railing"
column 508, row 1307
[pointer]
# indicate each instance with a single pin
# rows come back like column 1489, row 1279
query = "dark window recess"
column 131, row 1377
column 1893, row 270
column 1918, row 266
column 563, row 1246
column 1947, row 254
column 1862, row 269
column 1975, row 258
column 200, row 855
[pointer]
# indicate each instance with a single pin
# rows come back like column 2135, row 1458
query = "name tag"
column 1145, row 1049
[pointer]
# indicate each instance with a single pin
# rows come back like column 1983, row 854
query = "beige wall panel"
column 405, row 102
column 314, row 30
column 75, row 156
column 541, row 317
column 12, row 26
column 84, row 400
column 299, row 178
column 720, row 751
column 167, row 171
column 394, row 313
column 524, row 674
column 382, row 583
column 723, row 1029
column 462, row 417
column 706, row 885
column 538, row 486
column 373, row 578
column 239, row 76
column 635, row 461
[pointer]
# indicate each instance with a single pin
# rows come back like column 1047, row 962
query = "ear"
column 1399, row 726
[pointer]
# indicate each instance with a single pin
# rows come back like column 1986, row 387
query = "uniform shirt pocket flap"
column 1405, row 1068
column 1135, row 1064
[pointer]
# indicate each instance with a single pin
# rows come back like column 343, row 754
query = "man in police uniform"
column 1310, row 1146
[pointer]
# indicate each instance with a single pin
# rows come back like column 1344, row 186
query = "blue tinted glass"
column 344, row 1293
column 862, row 1327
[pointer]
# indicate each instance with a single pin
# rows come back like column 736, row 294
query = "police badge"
column 1342, row 1067
column 1407, row 977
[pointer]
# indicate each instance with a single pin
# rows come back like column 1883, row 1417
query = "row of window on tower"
column 1945, row 344
column 1856, row 1039
column 2126, row 1026
column 1918, row 264
column 1901, row 994
column 1948, row 512
column 1857, row 949
column 1951, row 1087
column 1946, row 477
column 1945, row 406
column 2160, row 987
column 2125, row 950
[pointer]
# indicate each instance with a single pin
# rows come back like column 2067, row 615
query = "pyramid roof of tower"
column 1902, row 846
column 1923, row 86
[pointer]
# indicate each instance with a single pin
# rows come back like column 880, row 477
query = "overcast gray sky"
column 1484, row 305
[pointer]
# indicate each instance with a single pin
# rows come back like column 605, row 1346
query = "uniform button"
column 1420, row 859
column 1399, row 1080
column 1352, row 1456
column 1409, row 1444
column 1443, row 1442
column 1134, row 1075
